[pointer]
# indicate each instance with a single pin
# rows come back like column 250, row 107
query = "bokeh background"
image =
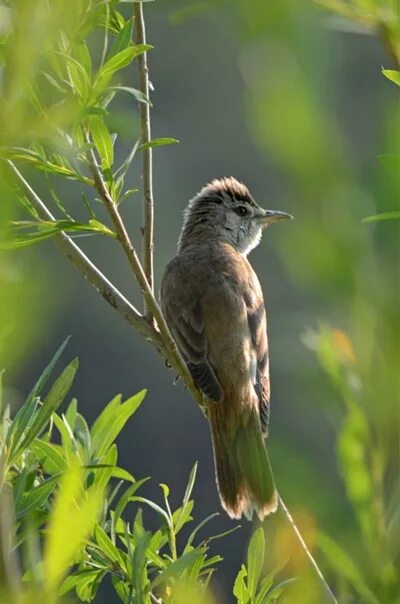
column 292, row 103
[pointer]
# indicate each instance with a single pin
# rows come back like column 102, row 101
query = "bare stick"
column 145, row 135
column 306, row 550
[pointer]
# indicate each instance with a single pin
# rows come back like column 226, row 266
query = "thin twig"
column 162, row 338
column 306, row 550
column 171, row 351
column 90, row 272
column 145, row 135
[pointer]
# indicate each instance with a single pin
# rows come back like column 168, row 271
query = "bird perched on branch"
column 214, row 307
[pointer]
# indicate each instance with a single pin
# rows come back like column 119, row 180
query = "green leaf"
column 34, row 422
column 104, row 434
column 105, row 417
column 255, row 560
column 154, row 506
column 165, row 489
column 393, row 215
column 49, row 456
column 182, row 516
column 42, row 381
column 107, row 546
column 47, row 229
column 123, row 39
column 73, row 517
column 138, row 94
column 278, row 590
column 240, row 590
column 139, row 562
column 353, row 446
column 121, row 588
column 36, row 498
column 118, row 61
column 393, row 75
column 53, row 400
column 102, row 140
column 223, row 534
column 198, row 528
column 83, row 56
column 77, row 76
column 158, row 142
column 178, row 567
column 124, row 500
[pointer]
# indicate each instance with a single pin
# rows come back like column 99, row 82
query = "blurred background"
column 292, row 102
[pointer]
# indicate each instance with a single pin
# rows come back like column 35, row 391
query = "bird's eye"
column 241, row 210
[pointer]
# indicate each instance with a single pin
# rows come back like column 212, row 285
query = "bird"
column 214, row 307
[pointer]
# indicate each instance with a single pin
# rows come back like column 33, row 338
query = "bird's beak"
column 267, row 217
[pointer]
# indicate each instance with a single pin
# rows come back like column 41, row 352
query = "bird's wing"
column 257, row 322
column 181, row 306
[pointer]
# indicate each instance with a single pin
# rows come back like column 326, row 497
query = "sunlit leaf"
column 50, row 457
column 123, row 39
column 102, row 140
column 177, row 567
column 393, row 215
column 393, row 75
column 138, row 94
column 104, row 434
column 158, row 142
column 35, row 498
column 255, row 560
column 73, row 517
column 119, row 61
column 240, row 590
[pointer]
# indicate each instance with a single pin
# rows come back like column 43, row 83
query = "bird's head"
column 224, row 210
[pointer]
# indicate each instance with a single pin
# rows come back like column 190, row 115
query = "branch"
column 161, row 338
column 170, row 349
column 144, row 110
column 91, row 273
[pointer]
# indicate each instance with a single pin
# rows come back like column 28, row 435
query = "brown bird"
column 214, row 307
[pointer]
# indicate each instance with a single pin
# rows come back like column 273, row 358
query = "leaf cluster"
column 78, row 516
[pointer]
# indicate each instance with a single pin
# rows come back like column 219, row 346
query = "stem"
column 90, row 272
column 306, row 550
column 162, row 338
column 145, row 128
column 171, row 351
column 172, row 543
column 9, row 571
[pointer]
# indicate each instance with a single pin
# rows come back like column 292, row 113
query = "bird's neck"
column 201, row 234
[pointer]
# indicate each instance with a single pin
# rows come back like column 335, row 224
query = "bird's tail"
column 244, row 475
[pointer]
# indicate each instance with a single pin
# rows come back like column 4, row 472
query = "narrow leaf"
column 73, row 517
column 255, row 560
column 178, row 567
column 393, row 215
column 158, row 142
column 393, row 75
column 102, row 140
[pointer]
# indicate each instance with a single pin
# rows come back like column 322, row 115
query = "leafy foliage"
column 369, row 571
column 71, row 94
column 248, row 587
column 61, row 474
